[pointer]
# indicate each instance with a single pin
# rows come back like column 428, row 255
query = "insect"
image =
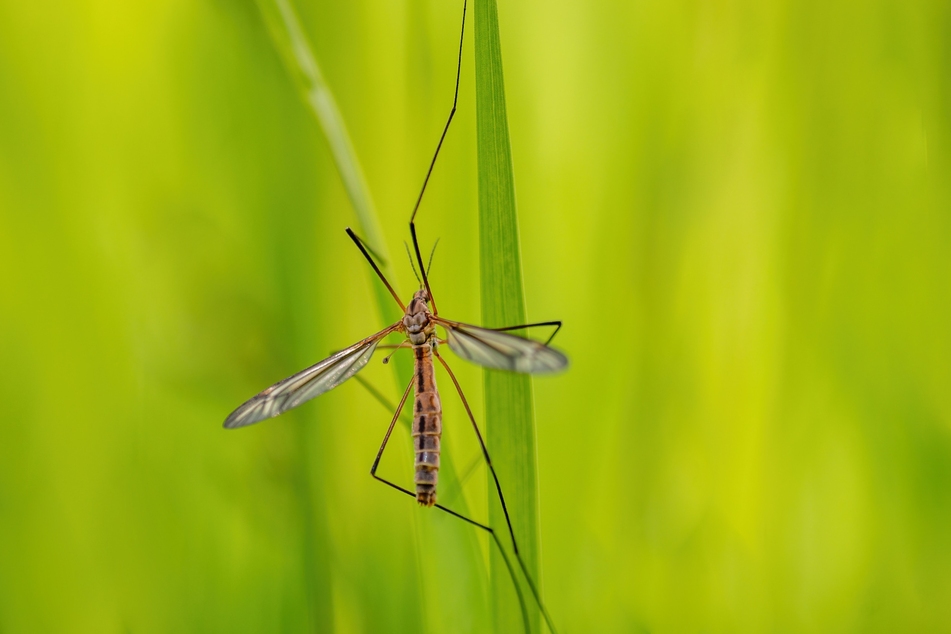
column 489, row 347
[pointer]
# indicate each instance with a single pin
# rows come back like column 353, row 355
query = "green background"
column 740, row 209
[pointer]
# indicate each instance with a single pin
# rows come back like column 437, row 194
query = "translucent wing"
column 307, row 384
column 494, row 349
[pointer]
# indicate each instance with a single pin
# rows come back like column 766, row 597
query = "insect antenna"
column 364, row 250
column 419, row 258
column 429, row 265
column 412, row 263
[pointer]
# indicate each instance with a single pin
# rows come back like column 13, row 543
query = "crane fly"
column 489, row 347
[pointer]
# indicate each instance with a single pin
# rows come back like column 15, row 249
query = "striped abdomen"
column 427, row 426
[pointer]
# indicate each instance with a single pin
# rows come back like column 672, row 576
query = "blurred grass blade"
column 289, row 38
column 509, row 418
column 459, row 547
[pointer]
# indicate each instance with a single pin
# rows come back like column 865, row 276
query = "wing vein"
column 308, row 383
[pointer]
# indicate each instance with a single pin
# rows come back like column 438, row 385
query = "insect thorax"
column 416, row 322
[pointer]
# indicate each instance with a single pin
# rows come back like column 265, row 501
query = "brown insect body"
column 427, row 410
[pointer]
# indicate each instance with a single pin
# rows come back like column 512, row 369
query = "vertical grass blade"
column 509, row 416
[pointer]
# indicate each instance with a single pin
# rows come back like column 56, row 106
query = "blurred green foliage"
column 740, row 210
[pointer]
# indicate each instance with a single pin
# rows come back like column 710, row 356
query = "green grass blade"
column 509, row 416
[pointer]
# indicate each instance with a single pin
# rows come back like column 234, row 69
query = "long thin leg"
column 432, row 164
column 498, row 487
column 385, row 402
column 388, row 405
column 363, row 249
column 452, row 113
column 495, row 538
column 380, row 398
column 376, row 464
column 389, row 430
column 557, row 325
